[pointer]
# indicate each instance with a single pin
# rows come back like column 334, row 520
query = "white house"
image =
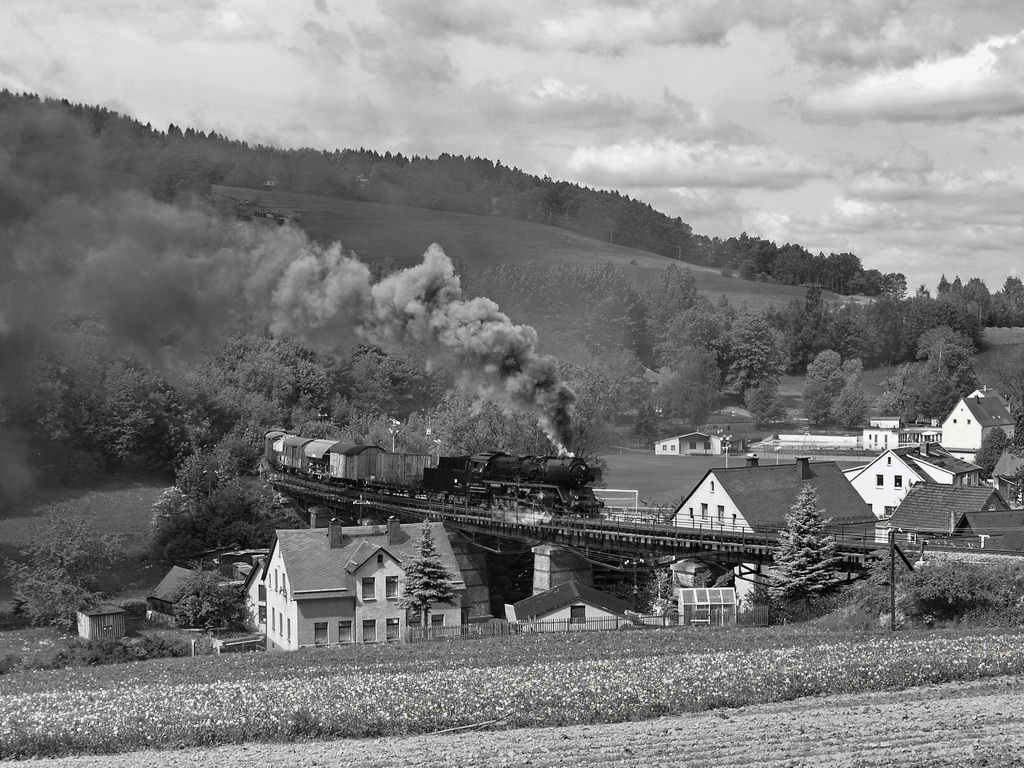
column 888, row 432
column 696, row 444
column 972, row 419
column 342, row 584
column 884, row 481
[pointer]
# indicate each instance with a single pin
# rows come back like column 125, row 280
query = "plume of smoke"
column 493, row 356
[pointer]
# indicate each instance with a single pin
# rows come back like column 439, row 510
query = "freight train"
column 560, row 485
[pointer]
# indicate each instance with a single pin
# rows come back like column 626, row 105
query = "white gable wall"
column 711, row 507
column 961, row 430
column 884, row 482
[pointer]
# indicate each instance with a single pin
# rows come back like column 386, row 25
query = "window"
column 703, row 510
column 345, row 631
column 276, row 585
column 391, row 631
column 320, row 633
column 693, row 445
column 273, row 619
column 898, row 481
column 369, row 631
column 369, row 588
column 888, row 461
column 889, row 511
column 380, row 559
column 437, row 620
column 712, row 486
column 968, row 421
column 263, row 614
column 284, row 585
column 391, row 587
column 879, row 481
column 721, row 513
column 691, row 511
column 577, row 614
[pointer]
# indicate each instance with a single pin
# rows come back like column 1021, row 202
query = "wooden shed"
column 104, row 622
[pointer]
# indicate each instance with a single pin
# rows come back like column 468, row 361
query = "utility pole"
column 892, row 580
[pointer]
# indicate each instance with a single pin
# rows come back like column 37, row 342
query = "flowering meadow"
column 582, row 678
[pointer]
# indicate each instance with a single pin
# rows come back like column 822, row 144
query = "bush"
column 10, row 663
column 991, row 594
column 134, row 609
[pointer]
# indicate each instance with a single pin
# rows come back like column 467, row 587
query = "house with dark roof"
column 695, row 444
column 1005, row 477
column 342, row 584
column 570, row 602
column 972, row 419
column 758, row 497
column 885, row 480
column 967, row 515
column 161, row 602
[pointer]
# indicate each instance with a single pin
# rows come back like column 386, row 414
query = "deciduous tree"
column 204, row 601
column 62, row 562
column 992, row 447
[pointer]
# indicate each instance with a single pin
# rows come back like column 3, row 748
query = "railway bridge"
column 624, row 541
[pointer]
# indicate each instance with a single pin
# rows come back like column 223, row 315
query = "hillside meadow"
column 378, row 231
column 541, row 680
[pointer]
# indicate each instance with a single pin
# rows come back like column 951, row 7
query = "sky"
column 888, row 128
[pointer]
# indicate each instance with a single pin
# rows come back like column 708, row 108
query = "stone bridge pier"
column 553, row 566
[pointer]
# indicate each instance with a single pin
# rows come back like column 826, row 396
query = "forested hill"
column 175, row 162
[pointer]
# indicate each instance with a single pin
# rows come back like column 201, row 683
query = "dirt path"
column 959, row 724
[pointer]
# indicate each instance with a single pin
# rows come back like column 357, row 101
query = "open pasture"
column 379, row 231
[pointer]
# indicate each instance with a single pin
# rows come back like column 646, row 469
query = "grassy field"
column 540, row 680
column 123, row 508
column 377, row 231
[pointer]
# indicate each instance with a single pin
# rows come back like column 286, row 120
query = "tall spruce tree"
column 427, row 581
column 806, row 564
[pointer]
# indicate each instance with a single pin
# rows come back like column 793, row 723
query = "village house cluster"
column 333, row 584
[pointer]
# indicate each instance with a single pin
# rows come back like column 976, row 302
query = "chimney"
column 924, row 448
column 394, row 530
column 803, row 467
column 752, row 460
column 319, row 517
column 334, row 533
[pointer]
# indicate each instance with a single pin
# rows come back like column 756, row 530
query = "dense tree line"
column 174, row 162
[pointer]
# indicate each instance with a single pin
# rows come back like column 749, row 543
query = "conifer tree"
column 806, row 564
column 427, row 581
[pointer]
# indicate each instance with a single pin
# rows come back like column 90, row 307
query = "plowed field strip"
column 950, row 725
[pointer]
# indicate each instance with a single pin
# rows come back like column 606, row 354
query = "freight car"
column 492, row 481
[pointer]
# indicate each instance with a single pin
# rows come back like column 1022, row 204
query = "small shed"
column 161, row 602
column 711, row 607
column 103, row 622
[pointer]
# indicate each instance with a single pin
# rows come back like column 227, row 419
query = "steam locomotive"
column 492, row 481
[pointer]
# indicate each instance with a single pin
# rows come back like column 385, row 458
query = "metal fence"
column 510, row 629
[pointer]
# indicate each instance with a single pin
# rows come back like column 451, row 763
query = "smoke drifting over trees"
column 165, row 279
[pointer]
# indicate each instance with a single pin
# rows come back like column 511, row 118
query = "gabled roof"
column 1008, row 465
column 364, row 552
column 989, row 411
column 567, row 593
column 940, row 508
column 312, row 566
column 765, row 494
column 170, row 583
column 1005, row 527
column 936, row 456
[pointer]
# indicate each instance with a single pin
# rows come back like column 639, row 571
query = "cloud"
column 664, row 163
column 987, row 80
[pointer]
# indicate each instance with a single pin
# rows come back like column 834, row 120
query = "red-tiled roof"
column 940, row 508
column 765, row 494
column 313, row 566
column 565, row 594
